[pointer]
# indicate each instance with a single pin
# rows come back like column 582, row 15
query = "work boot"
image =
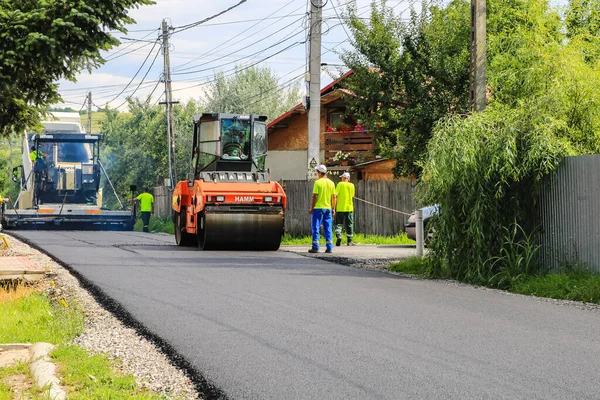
column 328, row 251
column 313, row 251
column 351, row 243
column 338, row 242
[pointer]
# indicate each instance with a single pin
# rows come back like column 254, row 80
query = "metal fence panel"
column 569, row 213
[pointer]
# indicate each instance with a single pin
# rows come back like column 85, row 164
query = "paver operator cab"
column 229, row 201
column 60, row 182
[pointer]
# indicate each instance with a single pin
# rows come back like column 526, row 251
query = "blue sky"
column 264, row 32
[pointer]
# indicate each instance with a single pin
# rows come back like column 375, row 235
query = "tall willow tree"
column 485, row 170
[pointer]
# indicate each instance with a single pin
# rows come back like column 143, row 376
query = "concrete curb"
column 43, row 371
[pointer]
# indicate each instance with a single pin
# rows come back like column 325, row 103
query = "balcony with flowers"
column 347, row 144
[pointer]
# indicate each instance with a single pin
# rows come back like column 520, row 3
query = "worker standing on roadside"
column 146, row 207
column 322, row 209
column 344, row 212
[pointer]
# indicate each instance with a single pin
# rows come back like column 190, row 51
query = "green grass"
column 412, row 265
column 157, row 224
column 358, row 238
column 582, row 286
column 6, row 392
column 35, row 318
column 88, row 376
column 28, row 316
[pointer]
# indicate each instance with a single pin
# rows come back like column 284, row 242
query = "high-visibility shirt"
column 345, row 195
column 34, row 155
column 146, row 200
column 325, row 188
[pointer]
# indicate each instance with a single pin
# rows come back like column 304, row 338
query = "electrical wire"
column 237, row 60
column 128, row 46
column 254, row 20
column 194, row 24
column 221, row 45
column 247, row 67
column 142, row 81
column 127, row 53
column 137, row 72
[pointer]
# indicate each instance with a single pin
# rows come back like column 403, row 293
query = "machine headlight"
column 220, row 199
column 268, row 199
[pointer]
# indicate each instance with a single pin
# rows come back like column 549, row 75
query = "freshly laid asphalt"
column 278, row 325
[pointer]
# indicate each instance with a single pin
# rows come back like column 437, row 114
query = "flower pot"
column 344, row 163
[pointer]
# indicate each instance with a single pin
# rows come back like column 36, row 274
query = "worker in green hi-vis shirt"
column 146, row 207
column 344, row 214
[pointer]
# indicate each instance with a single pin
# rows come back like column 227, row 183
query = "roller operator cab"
column 229, row 201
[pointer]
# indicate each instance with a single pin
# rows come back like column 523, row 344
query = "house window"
column 336, row 119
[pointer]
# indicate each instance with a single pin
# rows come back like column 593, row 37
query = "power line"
column 128, row 46
column 128, row 52
column 336, row 13
column 237, row 60
column 245, row 68
column 180, row 67
column 137, row 72
column 178, row 29
column 255, row 20
column 142, row 81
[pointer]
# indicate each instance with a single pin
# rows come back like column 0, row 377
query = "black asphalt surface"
column 282, row 326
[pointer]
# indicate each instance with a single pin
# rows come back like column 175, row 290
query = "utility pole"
column 314, row 85
column 169, row 103
column 477, row 93
column 89, row 113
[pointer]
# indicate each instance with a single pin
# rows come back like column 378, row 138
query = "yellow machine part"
column 240, row 231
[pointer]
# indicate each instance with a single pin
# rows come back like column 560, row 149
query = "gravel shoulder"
column 104, row 333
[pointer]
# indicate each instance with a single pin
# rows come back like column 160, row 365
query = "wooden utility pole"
column 89, row 113
column 314, row 103
column 478, row 56
column 169, row 103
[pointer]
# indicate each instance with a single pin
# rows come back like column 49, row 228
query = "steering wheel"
column 230, row 148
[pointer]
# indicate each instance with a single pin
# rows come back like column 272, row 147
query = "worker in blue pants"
column 322, row 209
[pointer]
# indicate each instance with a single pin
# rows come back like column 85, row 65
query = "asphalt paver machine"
column 229, row 201
column 60, row 185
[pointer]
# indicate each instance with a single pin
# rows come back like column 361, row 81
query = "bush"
column 485, row 172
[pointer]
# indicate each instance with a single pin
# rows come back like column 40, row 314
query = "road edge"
column 202, row 385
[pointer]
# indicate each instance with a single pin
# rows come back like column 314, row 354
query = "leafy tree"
column 42, row 41
column 10, row 156
column 135, row 146
column 407, row 76
column 254, row 90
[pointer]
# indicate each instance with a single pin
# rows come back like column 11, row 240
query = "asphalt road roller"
column 229, row 201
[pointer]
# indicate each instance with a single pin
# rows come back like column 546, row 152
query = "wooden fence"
column 368, row 219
